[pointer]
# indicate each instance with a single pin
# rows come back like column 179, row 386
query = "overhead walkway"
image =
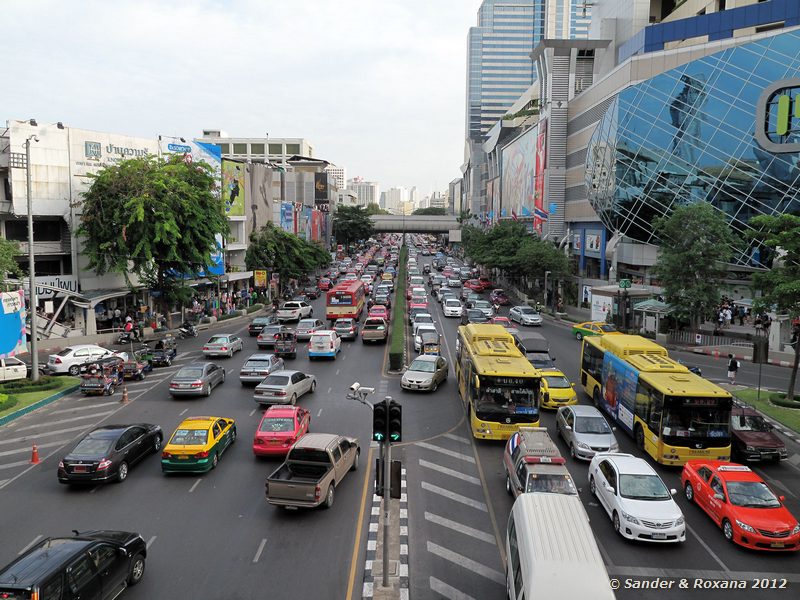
column 415, row 223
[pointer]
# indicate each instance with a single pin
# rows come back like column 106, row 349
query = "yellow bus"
column 499, row 387
column 673, row 414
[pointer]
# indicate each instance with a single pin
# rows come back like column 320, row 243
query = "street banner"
column 260, row 278
column 320, row 186
column 12, row 324
column 233, row 188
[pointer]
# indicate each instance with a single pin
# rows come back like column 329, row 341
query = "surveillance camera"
column 355, row 387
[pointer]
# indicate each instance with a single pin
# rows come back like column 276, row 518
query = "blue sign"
column 553, row 208
column 179, row 148
column 12, row 323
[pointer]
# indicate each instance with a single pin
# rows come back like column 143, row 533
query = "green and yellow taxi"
column 582, row 330
column 557, row 389
column 197, row 444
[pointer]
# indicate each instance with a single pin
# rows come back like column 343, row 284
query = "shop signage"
column 778, row 116
column 68, row 283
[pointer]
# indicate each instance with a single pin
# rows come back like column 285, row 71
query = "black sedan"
column 106, row 453
column 311, row 292
column 257, row 324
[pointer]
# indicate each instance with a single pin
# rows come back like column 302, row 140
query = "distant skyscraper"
column 395, row 197
column 339, row 175
column 368, row 192
column 413, row 196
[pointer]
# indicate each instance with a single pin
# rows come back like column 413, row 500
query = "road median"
column 23, row 398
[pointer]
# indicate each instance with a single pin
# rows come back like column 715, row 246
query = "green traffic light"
column 395, row 437
column 378, row 437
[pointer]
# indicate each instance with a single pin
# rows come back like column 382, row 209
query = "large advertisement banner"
column 233, row 189
column 12, row 324
column 316, row 225
column 519, row 170
column 620, row 381
column 287, row 217
column 540, row 215
column 321, row 186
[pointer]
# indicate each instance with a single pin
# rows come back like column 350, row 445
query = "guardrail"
column 692, row 338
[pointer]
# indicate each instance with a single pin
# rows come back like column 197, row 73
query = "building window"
column 292, row 148
column 275, row 149
column 224, row 148
column 240, row 148
column 257, row 149
column 43, row 231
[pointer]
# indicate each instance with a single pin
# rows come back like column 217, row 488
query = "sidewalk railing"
column 693, row 338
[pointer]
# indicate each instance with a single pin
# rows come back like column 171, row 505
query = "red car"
column 280, row 427
column 474, row 285
column 504, row 321
column 742, row 504
column 379, row 311
column 485, row 282
column 499, row 297
column 325, row 284
column 416, row 304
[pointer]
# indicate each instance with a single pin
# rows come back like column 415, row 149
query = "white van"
column 552, row 552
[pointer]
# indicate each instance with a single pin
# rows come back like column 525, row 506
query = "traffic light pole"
column 387, row 462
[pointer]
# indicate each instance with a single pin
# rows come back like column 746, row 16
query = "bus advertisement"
column 345, row 301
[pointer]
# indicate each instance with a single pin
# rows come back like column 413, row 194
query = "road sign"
column 624, row 284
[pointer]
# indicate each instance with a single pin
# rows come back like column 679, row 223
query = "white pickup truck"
column 294, row 311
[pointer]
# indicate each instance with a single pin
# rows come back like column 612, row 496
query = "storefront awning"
column 237, row 276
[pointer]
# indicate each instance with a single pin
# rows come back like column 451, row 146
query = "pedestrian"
column 728, row 316
column 733, row 366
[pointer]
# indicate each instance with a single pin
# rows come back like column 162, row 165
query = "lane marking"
column 451, row 472
column 337, row 371
column 448, row 591
column 329, row 389
column 467, row 563
column 90, row 407
column 453, row 496
column 194, row 487
column 72, row 420
column 32, row 436
column 252, row 412
column 320, row 412
column 359, row 526
column 708, row 549
column 16, row 464
column 150, row 542
column 446, row 452
column 26, row 449
column 29, row 546
column 457, row 438
column 183, row 412
column 461, row 528
column 260, row 550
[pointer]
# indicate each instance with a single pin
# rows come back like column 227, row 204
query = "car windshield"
column 218, row 339
column 752, row 494
column 277, row 424
column 189, row 373
column 256, row 363
column 307, row 323
column 93, row 446
column 279, row 380
column 271, row 329
column 643, row 487
column 607, row 328
column 343, row 323
column 423, row 366
column 557, row 381
column 750, row 423
column 595, row 425
column 550, row 483
column 482, row 304
column 189, row 437
column 453, row 302
column 291, row 306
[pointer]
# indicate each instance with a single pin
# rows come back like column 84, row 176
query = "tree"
column 8, row 264
column 375, row 209
column 158, row 219
column 351, row 223
column 695, row 244
column 465, row 216
column 537, row 256
column 433, row 210
column 780, row 285
column 289, row 255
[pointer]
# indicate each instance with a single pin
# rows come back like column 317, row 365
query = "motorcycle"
column 126, row 337
column 187, row 330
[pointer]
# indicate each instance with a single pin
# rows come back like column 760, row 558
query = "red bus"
column 345, row 300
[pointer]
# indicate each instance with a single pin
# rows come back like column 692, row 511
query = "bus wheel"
column 639, row 434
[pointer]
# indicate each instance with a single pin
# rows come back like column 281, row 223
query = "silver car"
column 196, row 379
column 426, row 373
column 258, row 366
column 223, row 344
column 284, row 387
column 525, row 315
column 482, row 305
column 306, row 327
column 585, row 431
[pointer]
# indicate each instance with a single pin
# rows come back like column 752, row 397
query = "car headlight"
column 745, row 526
column 427, row 381
column 680, row 521
column 796, row 529
column 749, row 449
column 584, row 445
column 629, row 518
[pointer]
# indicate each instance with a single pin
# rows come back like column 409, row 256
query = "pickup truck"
column 315, row 465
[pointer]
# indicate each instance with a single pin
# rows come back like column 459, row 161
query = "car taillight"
column 260, row 337
column 166, row 455
column 203, row 454
column 173, row 385
column 224, row 348
column 280, row 393
column 196, row 384
column 258, row 441
column 57, row 360
column 289, row 441
column 205, row 347
column 317, row 492
column 61, row 464
column 104, row 464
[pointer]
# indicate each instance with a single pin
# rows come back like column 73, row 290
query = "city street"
column 214, row 537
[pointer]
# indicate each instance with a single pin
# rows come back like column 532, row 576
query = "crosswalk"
column 53, row 427
column 459, row 559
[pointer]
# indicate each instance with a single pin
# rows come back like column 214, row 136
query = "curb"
column 403, row 572
column 744, row 357
column 36, row 405
column 368, row 587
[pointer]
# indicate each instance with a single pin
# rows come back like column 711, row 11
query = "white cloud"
column 377, row 86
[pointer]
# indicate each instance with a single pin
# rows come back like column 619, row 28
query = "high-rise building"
column 368, row 192
column 413, row 195
column 338, row 174
column 266, row 149
column 438, row 200
column 395, row 197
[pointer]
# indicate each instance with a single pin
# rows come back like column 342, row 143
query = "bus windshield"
column 696, row 419
column 499, row 397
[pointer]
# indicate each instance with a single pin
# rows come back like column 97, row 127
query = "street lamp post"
column 760, row 336
column 31, row 268
column 546, row 304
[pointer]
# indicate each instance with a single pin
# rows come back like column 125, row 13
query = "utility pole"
column 34, row 331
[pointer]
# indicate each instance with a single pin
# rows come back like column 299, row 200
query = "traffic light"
column 379, row 416
column 395, row 421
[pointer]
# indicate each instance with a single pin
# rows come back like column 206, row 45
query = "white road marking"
column 183, row 412
column 144, row 382
column 29, row 546
column 458, row 438
column 451, row 472
column 329, row 389
column 446, row 452
column 337, row 371
column 196, row 483
column 708, row 549
column 74, row 408
column 252, row 412
column 320, row 412
column 93, row 415
column 260, row 550
column 31, row 436
column 461, row 528
column 230, row 371
column 453, row 496
column 467, row 563
column 448, row 591
column 150, row 542
column 27, row 449
column 19, row 463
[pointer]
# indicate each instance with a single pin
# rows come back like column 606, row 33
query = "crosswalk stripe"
column 74, row 408
column 446, row 452
column 467, row 563
column 89, row 416
column 19, row 463
column 448, row 591
column 461, row 528
column 453, row 496
column 458, row 438
column 451, row 472
column 148, row 381
column 27, row 449
column 32, row 436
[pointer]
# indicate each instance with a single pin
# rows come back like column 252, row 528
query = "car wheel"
column 313, row 386
column 727, row 530
column 122, row 472
column 215, row 461
column 355, row 462
column 688, row 491
column 508, row 486
column 572, row 451
column 157, row 444
column 435, row 386
column 578, row 336
column 615, row 519
column 207, row 391
column 592, row 487
column 311, row 313
column 110, row 390
column 329, row 496
column 223, row 376
column 137, row 570
column 74, row 370
column 293, row 401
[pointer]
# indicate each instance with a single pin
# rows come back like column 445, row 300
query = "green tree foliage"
column 8, row 264
column 375, row 209
column 155, row 218
column 289, row 255
column 351, row 223
column 695, row 244
column 780, row 285
column 433, row 210
column 466, row 217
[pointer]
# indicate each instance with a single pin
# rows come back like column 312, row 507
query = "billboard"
column 321, row 187
column 539, row 213
column 260, row 277
column 519, row 170
column 619, row 390
column 287, row 217
column 233, row 188
column 12, row 324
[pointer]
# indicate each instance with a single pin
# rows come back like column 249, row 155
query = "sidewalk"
column 741, row 352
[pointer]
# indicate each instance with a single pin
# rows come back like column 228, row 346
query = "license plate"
column 184, row 385
column 80, row 469
column 274, row 441
column 777, row 545
column 659, row 536
column 182, row 457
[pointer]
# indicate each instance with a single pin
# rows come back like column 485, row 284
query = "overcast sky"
column 377, row 86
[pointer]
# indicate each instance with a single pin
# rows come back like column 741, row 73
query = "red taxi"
column 504, row 321
column 280, row 427
column 474, row 285
column 325, row 284
column 379, row 311
column 741, row 503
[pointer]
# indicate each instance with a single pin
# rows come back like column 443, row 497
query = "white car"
column 418, row 331
column 12, row 368
column 636, row 499
column 452, row 308
column 294, row 311
column 223, row 344
column 70, row 359
column 525, row 315
column 284, row 387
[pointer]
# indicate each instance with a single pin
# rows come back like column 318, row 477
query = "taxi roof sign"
column 740, row 468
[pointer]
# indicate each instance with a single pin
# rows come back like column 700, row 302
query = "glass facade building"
column 690, row 135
